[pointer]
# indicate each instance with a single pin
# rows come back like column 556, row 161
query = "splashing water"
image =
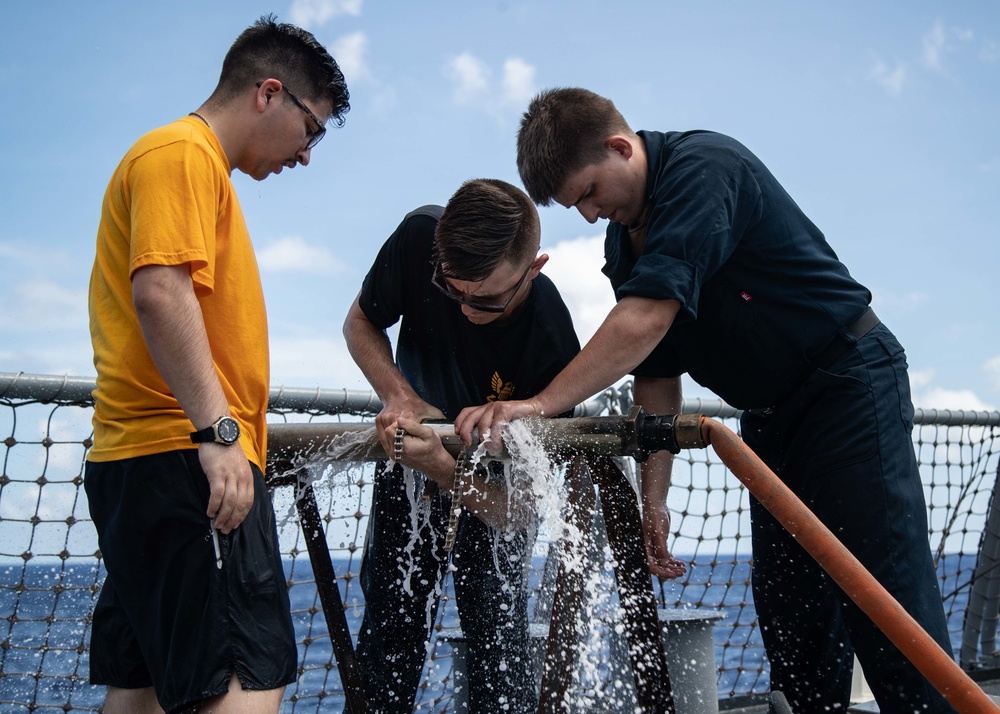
column 536, row 495
column 326, row 469
column 603, row 678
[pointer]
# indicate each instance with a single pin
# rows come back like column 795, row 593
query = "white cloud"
column 990, row 166
column 472, row 79
column 316, row 13
column 56, row 352
column 891, row 79
column 14, row 251
column 989, row 52
column 575, row 267
column 928, row 396
column 518, row 82
column 954, row 399
column 992, row 369
column 899, row 302
column 920, row 378
column 940, row 41
column 43, row 305
column 963, row 34
column 293, row 253
column 933, row 47
column 349, row 51
column 306, row 361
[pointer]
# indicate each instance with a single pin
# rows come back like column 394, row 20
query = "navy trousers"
column 402, row 575
column 842, row 443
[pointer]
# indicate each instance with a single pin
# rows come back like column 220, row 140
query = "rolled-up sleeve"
column 703, row 198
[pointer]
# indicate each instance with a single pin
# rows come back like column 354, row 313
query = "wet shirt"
column 761, row 291
column 450, row 362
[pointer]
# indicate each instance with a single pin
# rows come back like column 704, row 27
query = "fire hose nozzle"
column 644, row 433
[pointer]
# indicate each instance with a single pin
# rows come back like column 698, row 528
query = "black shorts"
column 168, row 616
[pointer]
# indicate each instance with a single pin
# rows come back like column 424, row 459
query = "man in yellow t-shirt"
column 194, row 611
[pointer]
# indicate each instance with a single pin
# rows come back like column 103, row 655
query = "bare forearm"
column 489, row 501
column 658, row 396
column 172, row 326
column 630, row 332
column 372, row 351
column 174, row 330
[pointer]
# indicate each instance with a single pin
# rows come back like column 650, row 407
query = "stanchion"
column 562, row 655
column 329, row 597
column 635, row 587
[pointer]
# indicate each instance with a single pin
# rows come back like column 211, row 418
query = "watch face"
column 229, row 430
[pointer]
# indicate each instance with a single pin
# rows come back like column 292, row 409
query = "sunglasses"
column 437, row 279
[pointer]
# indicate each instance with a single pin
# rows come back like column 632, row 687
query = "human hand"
column 409, row 407
column 423, row 451
column 230, row 484
column 490, row 418
column 655, row 529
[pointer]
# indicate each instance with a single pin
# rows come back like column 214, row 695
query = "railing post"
column 329, row 596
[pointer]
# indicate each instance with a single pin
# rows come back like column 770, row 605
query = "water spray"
column 637, row 435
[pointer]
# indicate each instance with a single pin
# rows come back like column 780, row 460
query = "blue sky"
column 879, row 118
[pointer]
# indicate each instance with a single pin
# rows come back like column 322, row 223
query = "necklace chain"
column 196, row 114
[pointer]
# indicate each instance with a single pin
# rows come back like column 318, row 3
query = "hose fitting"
column 644, row 433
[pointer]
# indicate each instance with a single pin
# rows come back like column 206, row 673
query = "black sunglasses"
column 316, row 136
column 437, row 279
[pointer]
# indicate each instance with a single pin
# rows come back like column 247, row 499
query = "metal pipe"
column 77, row 390
column 635, row 435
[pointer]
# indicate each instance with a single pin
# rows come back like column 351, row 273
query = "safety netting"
column 51, row 569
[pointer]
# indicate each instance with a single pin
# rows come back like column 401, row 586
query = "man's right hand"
column 424, row 452
column 174, row 329
column 489, row 419
column 411, row 407
column 230, row 483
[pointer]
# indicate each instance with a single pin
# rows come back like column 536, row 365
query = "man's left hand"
column 655, row 529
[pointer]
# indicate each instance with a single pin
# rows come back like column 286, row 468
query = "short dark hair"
column 290, row 54
column 562, row 131
column 486, row 222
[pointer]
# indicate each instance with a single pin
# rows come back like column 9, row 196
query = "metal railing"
column 50, row 567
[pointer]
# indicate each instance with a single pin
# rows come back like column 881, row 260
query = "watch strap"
column 211, row 433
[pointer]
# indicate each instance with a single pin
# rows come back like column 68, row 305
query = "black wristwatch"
column 225, row 430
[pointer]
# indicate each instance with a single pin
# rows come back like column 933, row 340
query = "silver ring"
column 397, row 446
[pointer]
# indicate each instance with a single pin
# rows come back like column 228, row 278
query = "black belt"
column 829, row 355
column 838, row 346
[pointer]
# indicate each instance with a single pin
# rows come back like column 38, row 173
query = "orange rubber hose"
column 860, row 585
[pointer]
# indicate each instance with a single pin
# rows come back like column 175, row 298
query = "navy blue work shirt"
column 761, row 291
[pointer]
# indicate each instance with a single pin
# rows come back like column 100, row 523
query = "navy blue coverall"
column 770, row 321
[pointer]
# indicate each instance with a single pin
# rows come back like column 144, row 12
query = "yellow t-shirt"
column 171, row 202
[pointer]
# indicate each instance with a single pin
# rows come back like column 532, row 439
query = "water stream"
column 532, row 481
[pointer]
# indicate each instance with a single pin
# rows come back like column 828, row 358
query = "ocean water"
column 44, row 611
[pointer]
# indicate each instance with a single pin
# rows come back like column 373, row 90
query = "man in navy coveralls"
column 719, row 274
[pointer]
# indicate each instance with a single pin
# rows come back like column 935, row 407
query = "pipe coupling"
column 687, row 431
